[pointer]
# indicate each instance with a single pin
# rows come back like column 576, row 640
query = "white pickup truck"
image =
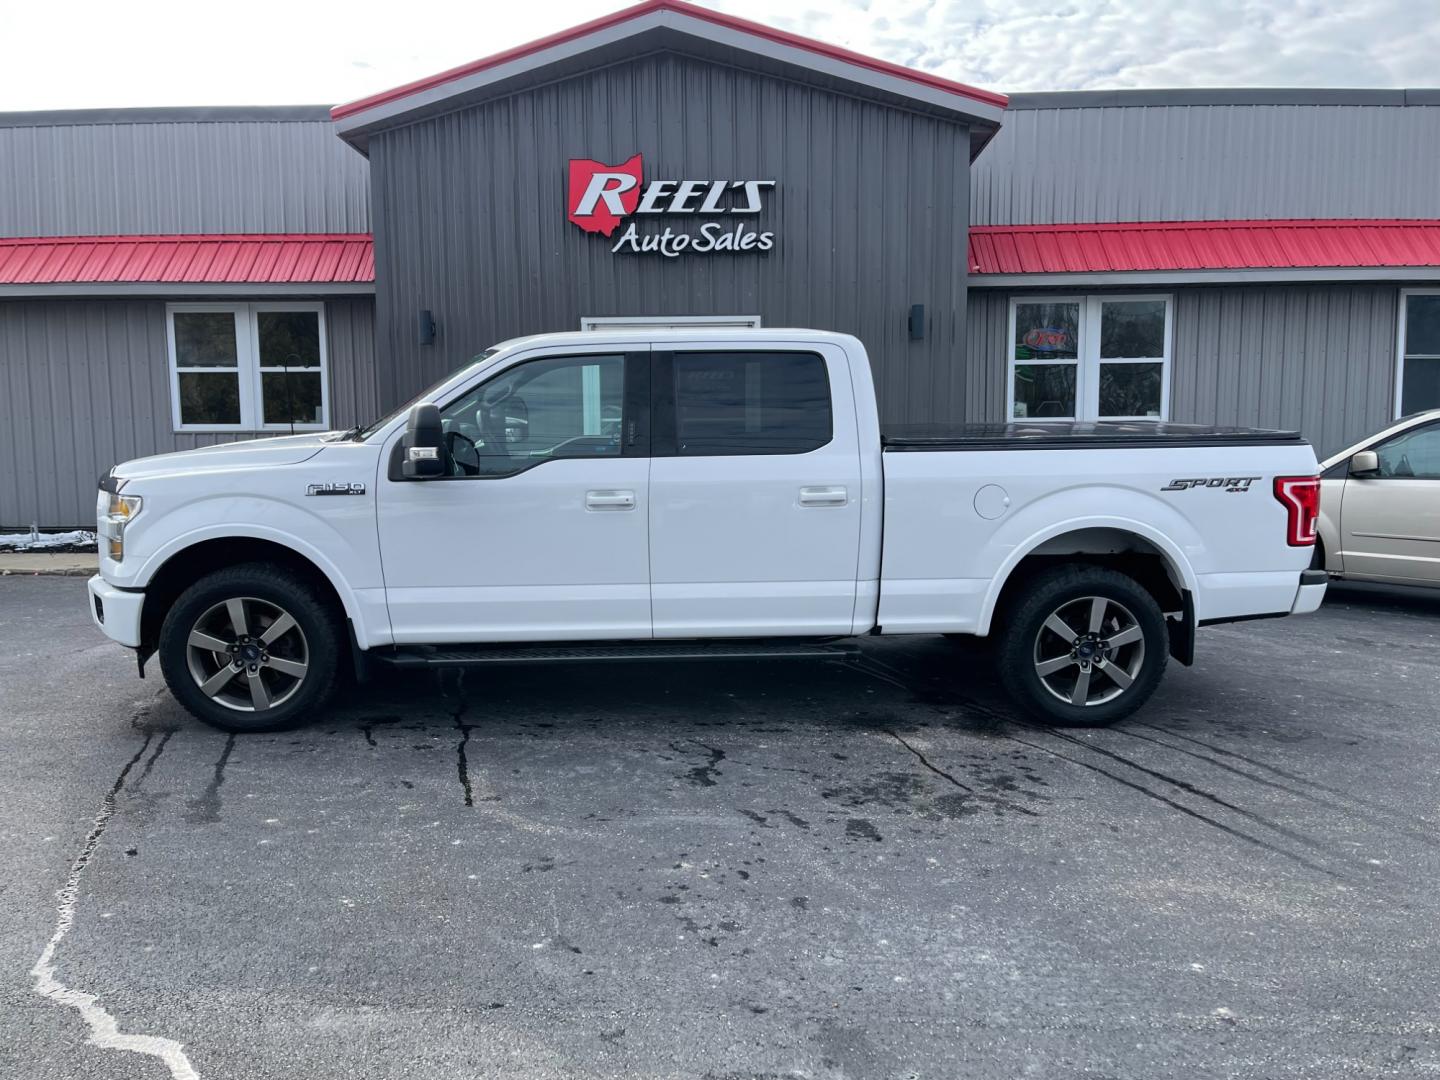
column 688, row 494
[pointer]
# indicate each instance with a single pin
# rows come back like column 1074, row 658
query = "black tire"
column 1027, row 641
column 309, row 644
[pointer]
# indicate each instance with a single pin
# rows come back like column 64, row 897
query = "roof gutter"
column 1267, row 276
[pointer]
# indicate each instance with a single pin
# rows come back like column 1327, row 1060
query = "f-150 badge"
column 335, row 489
column 1229, row 483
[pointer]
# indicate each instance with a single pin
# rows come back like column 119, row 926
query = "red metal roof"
column 833, row 52
column 1202, row 245
column 309, row 258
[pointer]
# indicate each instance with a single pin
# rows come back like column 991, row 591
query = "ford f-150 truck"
column 688, row 494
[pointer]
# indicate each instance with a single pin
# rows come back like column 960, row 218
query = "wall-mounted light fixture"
column 917, row 322
column 426, row 328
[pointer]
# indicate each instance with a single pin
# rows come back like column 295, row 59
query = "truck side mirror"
column 422, row 447
column 1365, row 463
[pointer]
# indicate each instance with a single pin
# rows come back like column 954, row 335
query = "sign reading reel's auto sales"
column 601, row 197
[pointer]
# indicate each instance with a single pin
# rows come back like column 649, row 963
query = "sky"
column 85, row 54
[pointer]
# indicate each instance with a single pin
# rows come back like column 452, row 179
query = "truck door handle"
column 610, row 500
column 823, row 496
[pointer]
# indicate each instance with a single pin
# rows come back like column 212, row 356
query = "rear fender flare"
column 1178, row 563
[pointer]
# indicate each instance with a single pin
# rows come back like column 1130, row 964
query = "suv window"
column 541, row 410
column 1413, row 454
column 729, row 403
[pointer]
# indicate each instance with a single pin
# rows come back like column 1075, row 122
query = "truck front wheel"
column 1083, row 646
column 250, row 648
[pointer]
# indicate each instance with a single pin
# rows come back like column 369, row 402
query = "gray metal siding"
column 267, row 176
column 350, row 349
column 1319, row 359
column 1182, row 162
column 85, row 384
column 985, row 362
column 869, row 212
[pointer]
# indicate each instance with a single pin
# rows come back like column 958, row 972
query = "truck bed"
column 1060, row 435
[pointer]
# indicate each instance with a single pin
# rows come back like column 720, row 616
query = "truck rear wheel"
column 1083, row 646
column 250, row 648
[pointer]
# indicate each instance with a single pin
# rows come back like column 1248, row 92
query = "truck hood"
column 251, row 454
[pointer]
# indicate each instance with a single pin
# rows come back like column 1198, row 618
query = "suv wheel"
column 1083, row 646
column 250, row 648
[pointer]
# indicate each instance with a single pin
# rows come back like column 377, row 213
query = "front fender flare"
column 181, row 542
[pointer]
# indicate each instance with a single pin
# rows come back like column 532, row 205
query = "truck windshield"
column 360, row 434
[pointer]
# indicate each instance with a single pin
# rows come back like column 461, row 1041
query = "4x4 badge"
column 335, row 489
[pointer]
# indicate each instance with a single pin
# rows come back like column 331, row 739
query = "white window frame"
column 1400, row 350
column 1087, row 359
column 662, row 322
column 248, row 369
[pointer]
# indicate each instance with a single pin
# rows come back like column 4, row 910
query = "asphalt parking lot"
column 731, row 871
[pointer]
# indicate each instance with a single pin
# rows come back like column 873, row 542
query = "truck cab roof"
column 659, row 335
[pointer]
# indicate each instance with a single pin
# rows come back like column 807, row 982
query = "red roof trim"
column 1153, row 246
column 229, row 259
column 731, row 22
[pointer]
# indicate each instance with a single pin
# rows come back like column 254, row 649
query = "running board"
column 413, row 656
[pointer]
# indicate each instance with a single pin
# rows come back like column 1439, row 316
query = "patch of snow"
column 39, row 541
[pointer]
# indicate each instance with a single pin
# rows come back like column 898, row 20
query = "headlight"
column 118, row 513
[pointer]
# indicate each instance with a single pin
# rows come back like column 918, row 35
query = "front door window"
column 1414, row 455
column 544, row 410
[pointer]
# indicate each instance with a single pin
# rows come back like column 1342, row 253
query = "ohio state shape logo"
column 600, row 197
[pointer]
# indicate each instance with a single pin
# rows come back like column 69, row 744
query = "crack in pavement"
column 462, row 762
column 1004, row 720
column 150, row 762
column 970, row 792
column 1236, row 833
column 1198, row 792
column 104, row 1028
column 206, row 809
column 1346, row 802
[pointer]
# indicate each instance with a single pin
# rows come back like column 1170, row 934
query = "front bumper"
column 116, row 611
column 1311, row 592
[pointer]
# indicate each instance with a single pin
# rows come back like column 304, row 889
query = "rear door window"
column 744, row 403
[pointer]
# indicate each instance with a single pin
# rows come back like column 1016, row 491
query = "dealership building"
column 171, row 278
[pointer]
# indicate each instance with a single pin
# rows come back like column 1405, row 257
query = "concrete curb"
column 48, row 564
column 65, row 571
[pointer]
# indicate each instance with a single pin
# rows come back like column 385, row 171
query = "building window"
column 1089, row 358
column 1418, row 377
column 248, row 367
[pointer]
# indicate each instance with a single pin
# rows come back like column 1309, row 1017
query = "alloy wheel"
column 1089, row 651
column 247, row 654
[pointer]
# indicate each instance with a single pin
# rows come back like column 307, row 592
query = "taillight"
column 1301, row 498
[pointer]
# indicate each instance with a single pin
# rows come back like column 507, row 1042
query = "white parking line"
column 104, row 1028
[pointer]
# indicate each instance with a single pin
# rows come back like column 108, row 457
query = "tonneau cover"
column 1062, row 434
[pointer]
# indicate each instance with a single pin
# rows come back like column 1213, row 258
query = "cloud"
column 1017, row 45
column 177, row 52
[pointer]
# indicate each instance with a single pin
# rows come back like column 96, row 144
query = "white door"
column 538, row 533
column 754, row 492
column 1390, row 523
